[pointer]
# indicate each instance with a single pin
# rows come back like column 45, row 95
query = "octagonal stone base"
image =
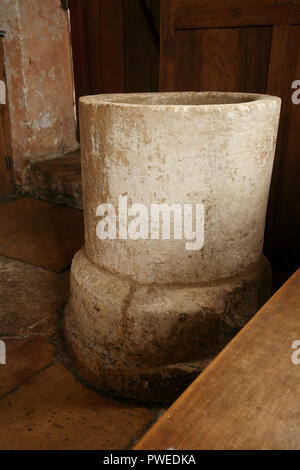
column 147, row 341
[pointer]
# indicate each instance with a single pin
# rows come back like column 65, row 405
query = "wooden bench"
column 249, row 396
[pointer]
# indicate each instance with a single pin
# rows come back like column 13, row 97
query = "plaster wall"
column 39, row 74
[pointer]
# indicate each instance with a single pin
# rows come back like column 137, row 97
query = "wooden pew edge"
column 142, row 443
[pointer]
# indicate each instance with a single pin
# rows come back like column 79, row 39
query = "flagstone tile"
column 28, row 295
column 24, row 358
column 40, row 233
column 54, row 411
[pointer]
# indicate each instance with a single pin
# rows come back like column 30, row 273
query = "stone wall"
column 39, row 73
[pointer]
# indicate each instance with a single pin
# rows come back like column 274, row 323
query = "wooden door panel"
column 223, row 59
column 283, row 221
column 141, row 46
column 204, row 5
column 97, row 29
column 236, row 13
column 112, row 48
column 115, row 45
column 254, row 46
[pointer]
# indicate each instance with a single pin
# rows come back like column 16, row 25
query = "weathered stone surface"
column 38, row 64
column 149, row 342
column 180, row 148
column 149, row 312
column 58, row 180
column 172, row 325
column 140, row 381
column 28, row 296
column 97, row 302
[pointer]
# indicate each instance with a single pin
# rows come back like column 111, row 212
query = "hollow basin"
column 175, row 191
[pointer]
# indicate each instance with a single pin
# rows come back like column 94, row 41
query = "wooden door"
column 254, row 46
column 115, row 45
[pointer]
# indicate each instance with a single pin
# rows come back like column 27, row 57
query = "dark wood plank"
column 111, row 19
column 292, row 174
column 167, row 45
column 79, row 47
column 224, row 59
column 94, row 46
column 195, row 17
column 6, row 170
column 141, row 47
column 115, row 45
column 207, row 60
column 97, row 30
column 254, row 54
column 154, row 6
column 283, row 224
column 248, row 397
column 221, row 4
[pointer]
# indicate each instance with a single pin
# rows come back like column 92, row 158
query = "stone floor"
column 43, row 402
